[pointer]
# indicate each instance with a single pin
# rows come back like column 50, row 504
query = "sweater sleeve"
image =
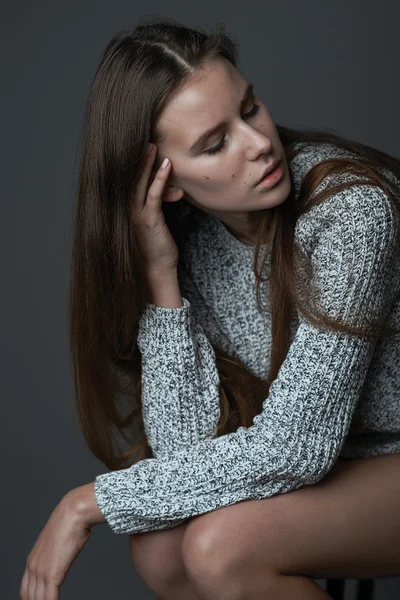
column 180, row 381
column 352, row 241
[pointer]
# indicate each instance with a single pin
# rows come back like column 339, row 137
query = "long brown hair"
column 138, row 72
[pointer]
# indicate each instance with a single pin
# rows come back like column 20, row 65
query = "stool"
column 336, row 588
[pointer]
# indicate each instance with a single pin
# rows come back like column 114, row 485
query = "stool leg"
column 365, row 589
column 335, row 588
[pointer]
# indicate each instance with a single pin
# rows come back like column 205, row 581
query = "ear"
column 172, row 193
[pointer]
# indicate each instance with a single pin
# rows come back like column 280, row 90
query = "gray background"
column 332, row 65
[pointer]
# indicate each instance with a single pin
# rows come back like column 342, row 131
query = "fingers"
column 35, row 588
column 139, row 191
column 155, row 192
column 142, row 189
column 28, row 587
column 23, row 590
column 50, row 592
column 40, row 590
column 31, row 586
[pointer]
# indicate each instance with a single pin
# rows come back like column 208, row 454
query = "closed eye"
column 221, row 144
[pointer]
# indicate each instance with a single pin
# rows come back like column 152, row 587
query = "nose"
column 257, row 143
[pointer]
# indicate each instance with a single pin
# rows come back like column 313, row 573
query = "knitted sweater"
column 335, row 395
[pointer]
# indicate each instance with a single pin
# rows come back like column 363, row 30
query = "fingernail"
column 149, row 148
column 165, row 163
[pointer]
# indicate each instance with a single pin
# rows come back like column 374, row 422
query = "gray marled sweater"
column 335, row 395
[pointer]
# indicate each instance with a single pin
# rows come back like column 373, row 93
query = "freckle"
column 233, row 175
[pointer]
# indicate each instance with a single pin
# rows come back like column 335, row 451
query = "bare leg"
column 157, row 559
column 346, row 526
column 281, row 587
column 182, row 592
column 266, row 586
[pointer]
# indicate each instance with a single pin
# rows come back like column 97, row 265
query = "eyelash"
column 221, row 145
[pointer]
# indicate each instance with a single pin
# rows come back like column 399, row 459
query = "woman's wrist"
column 83, row 502
column 163, row 289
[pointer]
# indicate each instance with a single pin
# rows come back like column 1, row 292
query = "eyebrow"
column 209, row 132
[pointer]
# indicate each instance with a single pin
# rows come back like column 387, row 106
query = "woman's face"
column 222, row 183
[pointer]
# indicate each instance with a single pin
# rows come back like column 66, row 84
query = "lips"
column 268, row 170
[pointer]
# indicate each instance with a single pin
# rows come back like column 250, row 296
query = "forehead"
column 200, row 104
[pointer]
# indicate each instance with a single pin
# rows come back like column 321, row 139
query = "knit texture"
column 335, row 395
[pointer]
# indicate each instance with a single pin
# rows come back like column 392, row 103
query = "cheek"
column 227, row 170
column 231, row 180
column 214, row 178
column 222, row 175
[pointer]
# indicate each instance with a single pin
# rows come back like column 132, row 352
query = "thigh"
column 347, row 525
column 157, row 557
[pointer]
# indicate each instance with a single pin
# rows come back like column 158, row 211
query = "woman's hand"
column 58, row 545
column 156, row 243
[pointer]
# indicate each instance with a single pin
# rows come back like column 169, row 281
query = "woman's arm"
column 163, row 289
column 353, row 243
column 180, row 381
column 82, row 501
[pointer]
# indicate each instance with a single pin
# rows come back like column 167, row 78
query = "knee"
column 225, row 544
column 157, row 557
column 206, row 555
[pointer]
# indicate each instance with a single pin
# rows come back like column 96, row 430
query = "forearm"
column 180, row 383
column 82, row 500
column 163, row 289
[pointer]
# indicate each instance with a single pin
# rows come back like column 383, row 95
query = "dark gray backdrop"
column 332, row 65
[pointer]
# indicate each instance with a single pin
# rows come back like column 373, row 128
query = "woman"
column 271, row 434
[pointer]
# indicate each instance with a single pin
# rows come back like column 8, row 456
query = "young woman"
column 270, row 447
